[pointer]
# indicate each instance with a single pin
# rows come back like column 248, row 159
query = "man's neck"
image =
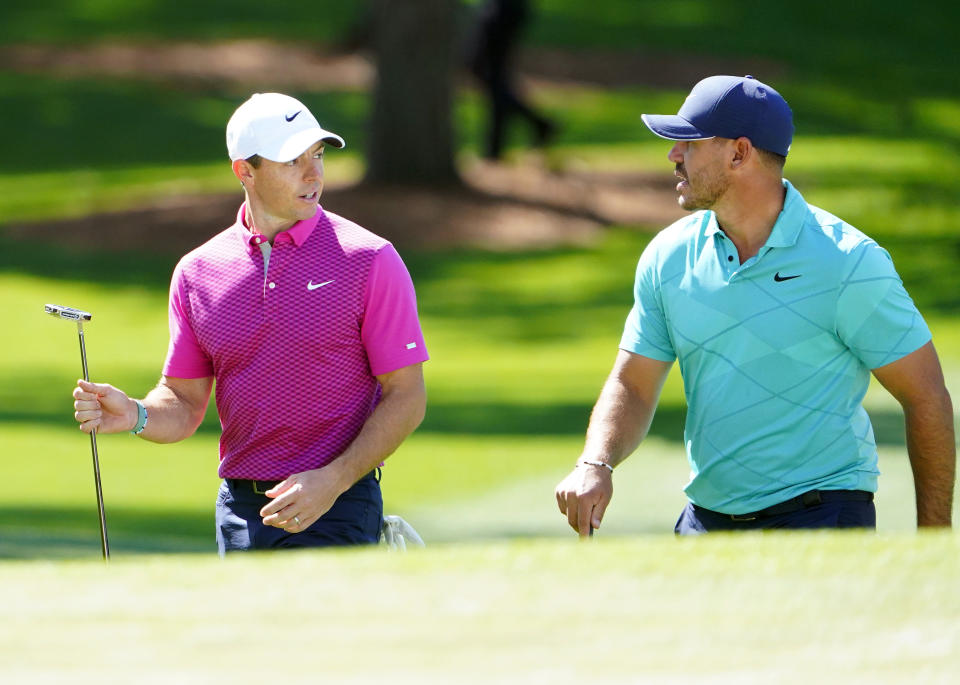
column 267, row 225
column 747, row 216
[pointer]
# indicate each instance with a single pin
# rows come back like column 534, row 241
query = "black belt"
column 260, row 487
column 807, row 499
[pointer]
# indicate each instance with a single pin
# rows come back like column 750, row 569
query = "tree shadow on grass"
column 46, row 532
column 572, row 419
column 124, row 122
column 491, row 418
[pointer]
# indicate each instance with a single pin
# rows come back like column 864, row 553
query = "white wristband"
column 588, row 462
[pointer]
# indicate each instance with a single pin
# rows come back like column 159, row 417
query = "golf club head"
column 68, row 313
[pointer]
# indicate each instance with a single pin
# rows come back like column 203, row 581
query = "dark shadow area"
column 111, row 123
column 58, row 532
column 488, row 418
column 571, row 419
column 531, row 420
column 928, row 266
column 46, row 258
column 840, row 43
column 59, row 20
column 64, row 418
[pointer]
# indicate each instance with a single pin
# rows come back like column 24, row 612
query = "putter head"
column 68, row 313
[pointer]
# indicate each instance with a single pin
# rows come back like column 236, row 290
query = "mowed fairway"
column 787, row 608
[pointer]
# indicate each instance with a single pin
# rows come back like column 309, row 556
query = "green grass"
column 746, row 609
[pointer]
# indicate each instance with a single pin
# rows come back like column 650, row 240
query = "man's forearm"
column 933, row 458
column 619, row 422
column 174, row 415
column 396, row 416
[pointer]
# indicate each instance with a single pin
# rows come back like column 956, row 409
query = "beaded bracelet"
column 141, row 418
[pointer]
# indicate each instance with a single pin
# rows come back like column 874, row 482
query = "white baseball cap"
column 276, row 127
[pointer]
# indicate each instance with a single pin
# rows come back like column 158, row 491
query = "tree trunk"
column 411, row 136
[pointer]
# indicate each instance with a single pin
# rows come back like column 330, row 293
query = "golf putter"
column 71, row 314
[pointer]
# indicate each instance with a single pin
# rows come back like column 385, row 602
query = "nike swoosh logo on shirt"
column 313, row 286
column 779, row 279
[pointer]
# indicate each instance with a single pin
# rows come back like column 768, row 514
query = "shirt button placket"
column 725, row 258
column 273, row 293
column 273, row 278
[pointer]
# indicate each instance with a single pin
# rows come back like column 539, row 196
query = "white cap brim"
column 673, row 127
column 300, row 142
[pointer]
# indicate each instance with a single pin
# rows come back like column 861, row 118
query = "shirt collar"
column 786, row 229
column 712, row 227
column 299, row 232
column 790, row 220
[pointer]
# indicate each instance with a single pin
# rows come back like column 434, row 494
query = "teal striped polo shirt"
column 775, row 353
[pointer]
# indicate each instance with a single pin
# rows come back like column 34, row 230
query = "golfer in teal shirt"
column 777, row 313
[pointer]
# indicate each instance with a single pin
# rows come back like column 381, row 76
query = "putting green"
column 781, row 608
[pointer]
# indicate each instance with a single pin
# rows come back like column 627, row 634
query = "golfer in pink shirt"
column 308, row 323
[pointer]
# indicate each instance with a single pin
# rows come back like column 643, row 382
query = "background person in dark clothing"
column 491, row 53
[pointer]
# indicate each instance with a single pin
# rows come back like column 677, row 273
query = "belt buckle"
column 256, row 488
column 742, row 517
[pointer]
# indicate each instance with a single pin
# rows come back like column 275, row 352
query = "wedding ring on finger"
column 296, row 519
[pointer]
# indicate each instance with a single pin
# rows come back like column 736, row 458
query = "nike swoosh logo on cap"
column 292, row 116
column 313, row 286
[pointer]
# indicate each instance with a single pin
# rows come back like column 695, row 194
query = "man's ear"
column 742, row 152
column 243, row 171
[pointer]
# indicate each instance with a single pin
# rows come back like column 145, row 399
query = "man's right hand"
column 584, row 495
column 104, row 408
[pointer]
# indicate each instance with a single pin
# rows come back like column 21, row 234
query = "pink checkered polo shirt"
column 294, row 351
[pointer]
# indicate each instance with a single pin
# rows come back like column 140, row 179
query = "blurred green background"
column 521, row 341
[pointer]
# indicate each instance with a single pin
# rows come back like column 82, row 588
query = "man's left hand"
column 301, row 499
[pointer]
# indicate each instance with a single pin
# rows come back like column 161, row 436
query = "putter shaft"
column 104, row 543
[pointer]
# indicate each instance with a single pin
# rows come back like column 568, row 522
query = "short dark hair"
column 773, row 159
column 254, row 161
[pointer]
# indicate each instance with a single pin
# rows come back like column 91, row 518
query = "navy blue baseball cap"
column 729, row 107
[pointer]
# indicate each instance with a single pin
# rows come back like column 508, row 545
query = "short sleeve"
column 645, row 331
column 876, row 318
column 185, row 357
column 390, row 330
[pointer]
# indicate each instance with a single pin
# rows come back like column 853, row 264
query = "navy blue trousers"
column 696, row 520
column 354, row 519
